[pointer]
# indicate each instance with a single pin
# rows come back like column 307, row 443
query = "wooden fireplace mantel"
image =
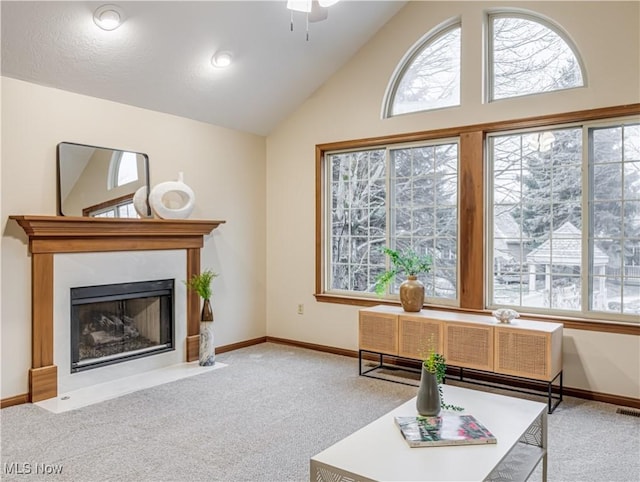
column 62, row 234
column 49, row 235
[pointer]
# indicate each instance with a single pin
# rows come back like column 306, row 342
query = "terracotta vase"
column 207, row 353
column 412, row 294
column 428, row 398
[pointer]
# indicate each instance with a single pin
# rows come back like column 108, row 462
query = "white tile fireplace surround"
column 73, row 270
column 93, row 251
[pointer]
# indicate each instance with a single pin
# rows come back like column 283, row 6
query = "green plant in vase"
column 435, row 364
column 201, row 284
column 410, row 264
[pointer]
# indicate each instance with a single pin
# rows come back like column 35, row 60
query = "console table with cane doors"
column 519, row 353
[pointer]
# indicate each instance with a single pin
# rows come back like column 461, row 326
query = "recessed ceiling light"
column 108, row 17
column 221, row 60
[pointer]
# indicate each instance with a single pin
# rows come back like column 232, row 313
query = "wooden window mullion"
column 471, row 219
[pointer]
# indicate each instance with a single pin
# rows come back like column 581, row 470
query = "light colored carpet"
column 261, row 419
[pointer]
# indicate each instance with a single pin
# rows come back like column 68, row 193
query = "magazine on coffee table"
column 448, row 428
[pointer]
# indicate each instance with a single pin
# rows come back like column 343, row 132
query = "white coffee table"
column 377, row 452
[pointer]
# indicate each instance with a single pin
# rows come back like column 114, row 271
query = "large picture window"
column 565, row 220
column 540, row 214
column 397, row 196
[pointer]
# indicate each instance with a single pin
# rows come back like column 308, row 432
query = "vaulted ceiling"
column 160, row 57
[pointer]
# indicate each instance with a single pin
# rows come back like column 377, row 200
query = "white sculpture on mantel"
column 140, row 203
column 172, row 199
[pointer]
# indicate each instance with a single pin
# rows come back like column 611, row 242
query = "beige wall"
column 225, row 169
column 349, row 106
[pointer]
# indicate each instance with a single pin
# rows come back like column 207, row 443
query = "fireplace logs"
column 108, row 329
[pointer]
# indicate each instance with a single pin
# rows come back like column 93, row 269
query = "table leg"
column 544, row 446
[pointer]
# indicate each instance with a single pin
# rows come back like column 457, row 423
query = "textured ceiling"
column 159, row 58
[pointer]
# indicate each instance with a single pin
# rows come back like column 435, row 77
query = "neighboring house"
column 507, row 246
column 567, row 253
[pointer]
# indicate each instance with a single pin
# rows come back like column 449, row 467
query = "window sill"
column 570, row 323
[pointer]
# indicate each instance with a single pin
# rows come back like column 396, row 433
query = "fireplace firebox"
column 118, row 322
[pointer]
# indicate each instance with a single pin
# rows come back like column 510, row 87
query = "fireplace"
column 119, row 322
column 62, row 237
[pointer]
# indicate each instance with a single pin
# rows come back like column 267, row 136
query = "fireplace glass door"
column 118, row 322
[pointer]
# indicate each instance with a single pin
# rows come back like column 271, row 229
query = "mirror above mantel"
column 99, row 182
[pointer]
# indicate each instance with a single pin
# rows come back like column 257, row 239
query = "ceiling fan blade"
column 299, row 5
column 318, row 13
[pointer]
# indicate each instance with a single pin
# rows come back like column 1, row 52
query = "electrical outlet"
column 300, row 309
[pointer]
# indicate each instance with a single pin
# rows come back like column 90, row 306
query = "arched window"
column 528, row 55
column 123, row 169
column 429, row 77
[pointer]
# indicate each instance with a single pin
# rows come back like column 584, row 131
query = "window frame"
column 471, row 273
column 110, row 205
column 388, row 148
column 328, row 221
column 525, row 15
column 589, row 247
column 586, row 276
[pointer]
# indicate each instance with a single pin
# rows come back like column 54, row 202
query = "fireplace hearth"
column 119, row 322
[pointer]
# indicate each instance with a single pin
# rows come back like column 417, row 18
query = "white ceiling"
column 159, row 58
